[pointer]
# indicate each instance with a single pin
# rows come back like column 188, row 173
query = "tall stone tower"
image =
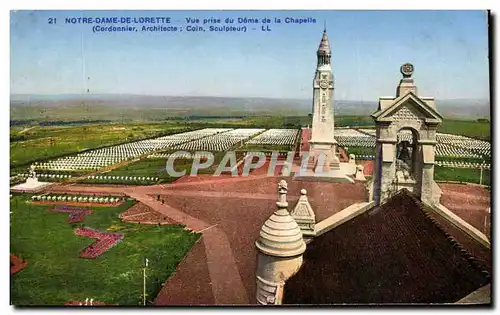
column 323, row 123
column 322, row 145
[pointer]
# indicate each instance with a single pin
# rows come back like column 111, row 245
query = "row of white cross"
column 47, row 175
column 98, row 158
column 463, row 164
column 224, row 139
column 82, row 199
column 129, row 178
column 220, row 142
column 180, row 155
column 276, row 137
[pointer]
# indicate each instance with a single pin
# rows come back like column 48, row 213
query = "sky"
column 449, row 50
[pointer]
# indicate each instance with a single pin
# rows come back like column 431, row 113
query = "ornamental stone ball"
column 407, row 70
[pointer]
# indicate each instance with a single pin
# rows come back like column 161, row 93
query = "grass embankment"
column 465, row 175
column 55, row 274
column 469, row 128
column 267, row 147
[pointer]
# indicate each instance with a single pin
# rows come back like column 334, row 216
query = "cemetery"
column 274, row 139
column 451, row 150
column 223, row 141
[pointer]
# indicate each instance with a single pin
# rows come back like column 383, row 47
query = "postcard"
column 228, row 158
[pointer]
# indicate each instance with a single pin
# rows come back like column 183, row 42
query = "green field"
column 55, row 274
column 468, row 128
column 266, row 147
column 466, row 175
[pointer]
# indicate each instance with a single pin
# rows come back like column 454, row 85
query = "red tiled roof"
column 394, row 253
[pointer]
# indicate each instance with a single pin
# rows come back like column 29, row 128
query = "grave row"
column 220, row 142
column 276, row 137
column 463, row 164
column 96, row 159
column 120, row 178
column 83, row 199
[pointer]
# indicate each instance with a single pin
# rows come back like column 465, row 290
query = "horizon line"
column 215, row 96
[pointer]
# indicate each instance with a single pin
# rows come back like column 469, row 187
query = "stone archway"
column 406, row 134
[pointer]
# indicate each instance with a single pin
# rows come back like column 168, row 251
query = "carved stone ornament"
column 324, row 84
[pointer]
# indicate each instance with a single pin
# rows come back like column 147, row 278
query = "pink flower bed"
column 75, row 214
column 105, row 240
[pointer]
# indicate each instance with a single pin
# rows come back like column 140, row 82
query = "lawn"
column 468, row 128
column 267, row 147
column 467, row 175
column 55, row 274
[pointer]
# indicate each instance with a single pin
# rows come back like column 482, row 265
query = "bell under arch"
column 407, row 152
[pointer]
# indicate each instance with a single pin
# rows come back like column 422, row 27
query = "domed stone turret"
column 280, row 248
column 280, row 235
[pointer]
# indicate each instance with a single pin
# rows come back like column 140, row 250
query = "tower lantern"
column 324, row 53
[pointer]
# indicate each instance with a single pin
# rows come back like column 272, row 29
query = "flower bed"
column 75, row 214
column 17, row 264
column 105, row 240
column 140, row 213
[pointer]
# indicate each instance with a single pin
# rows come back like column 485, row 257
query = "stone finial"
column 360, row 176
column 282, row 191
column 352, row 158
column 406, row 84
column 304, row 215
column 407, row 70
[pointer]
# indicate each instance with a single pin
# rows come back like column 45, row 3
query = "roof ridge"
column 454, row 242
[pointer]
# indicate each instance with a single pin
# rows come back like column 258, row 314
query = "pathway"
column 227, row 286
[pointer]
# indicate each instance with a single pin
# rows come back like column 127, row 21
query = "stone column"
column 427, row 193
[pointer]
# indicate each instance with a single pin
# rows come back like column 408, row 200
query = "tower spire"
column 324, row 53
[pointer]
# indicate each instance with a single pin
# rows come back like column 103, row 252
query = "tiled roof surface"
column 395, row 253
